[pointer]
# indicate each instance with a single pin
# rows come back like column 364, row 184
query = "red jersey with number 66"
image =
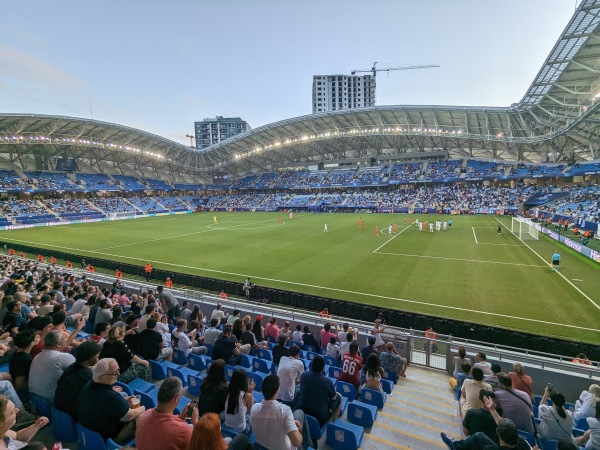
column 351, row 365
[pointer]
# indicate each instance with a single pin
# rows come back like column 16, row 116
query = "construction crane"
column 374, row 69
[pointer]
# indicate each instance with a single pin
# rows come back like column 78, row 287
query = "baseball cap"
column 87, row 350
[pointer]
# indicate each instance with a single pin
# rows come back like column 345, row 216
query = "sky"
column 161, row 65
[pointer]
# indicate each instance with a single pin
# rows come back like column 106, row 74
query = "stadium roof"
column 557, row 120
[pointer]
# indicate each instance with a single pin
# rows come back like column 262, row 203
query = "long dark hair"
column 257, row 330
column 215, row 375
column 196, row 313
column 237, row 384
column 559, row 401
column 373, row 365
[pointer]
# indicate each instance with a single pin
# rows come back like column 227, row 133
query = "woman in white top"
column 373, row 373
column 591, row 438
column 556, row 421
column 239, row 402
column 585, row 406
column 286, row 331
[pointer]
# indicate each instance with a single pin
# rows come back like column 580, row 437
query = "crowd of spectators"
column 16, row 208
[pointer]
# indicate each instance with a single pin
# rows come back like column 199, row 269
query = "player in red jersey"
column 377, row 230
column 362, row 224
column 425, row 226
column 351, row 366
column 396, row 227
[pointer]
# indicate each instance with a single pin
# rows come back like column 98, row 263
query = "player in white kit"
column 390, row 230
column 445, row 225
column 325, row 230
column 438, row 225
column 431, row 227
column 420, row 226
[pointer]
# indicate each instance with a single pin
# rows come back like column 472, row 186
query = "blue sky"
column 161, row 65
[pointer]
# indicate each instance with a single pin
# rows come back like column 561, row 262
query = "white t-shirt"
column 378, row 339
column 217, row 314
column 46, row 369
column 585, row 406
column 77, row 306
column 594, row 441
column 184, row 344
column 289, row 371
column 297, row 336
column 237, row 421
column 271, row 422
column 554, row 427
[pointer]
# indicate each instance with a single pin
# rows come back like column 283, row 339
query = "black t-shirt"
column 14, row 320
column 19, row 365
column 223, row 349
column 132, row 340
column 120, row 352
column 278, row 352
column 100, row 409
column 148, row 342
column 212, row 399
column 480, row 419
column 69, row 385
column 248, row 338
column 309, row 339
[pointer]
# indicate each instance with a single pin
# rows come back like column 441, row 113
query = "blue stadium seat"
column 310, row 348
column 548, row 445
column 258, row 378
column 42, row 406
column 577, row 432
column 209, row 349
column 582, row 424
column 344, row 436
column 229, row 371
column 247, row 361
column 387, row 386
column 179, row 357
column 334, row 372
column 274, row 368
column 194, row 382
column 64, row 427
column 264, row 354
column 260, row 365
column 140, row 385
column 196, row 362
column 310, row 355
column 346, row 389
column 529, row 437
column 181, row 373
column 390, row 376
column 182, row 402
column 159, row 369
column 362, row 414
column 91, row 440
column 331, row 361
column 316, row 432
column 373, row 397
column 125, row 387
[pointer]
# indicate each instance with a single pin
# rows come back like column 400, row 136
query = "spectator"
column 168, row 303
column 521, row 381
column 309, row 339
column 318, row 397
column 556, row 421
column 130, row 365
column 470, row 391
column 258, row 329
column 289, row 371
column 458, row 361
column 49, row 365
column 235, row 315
column 8, row 418
column 345, row 343
column 102, row 409
column 186, row 342
column 292, row 432
column 272, row 329
column 151, row 344
column 207, row 436
column 239, row 403
column 228, row 350
column 373, row 373
column 371, row 348
column 591, row 438
column 329, row 331
column 186, row 312
column 20, row 362
column 160, row 428
column 351, row 366
column 297, row 335
column 146, row 317
column 13, row 318
column 280, row 349
column 465, row 375
column 286, row 331
column 392, row 362
column 585, row 406
column 218, row 313
column 76, row 376
column 333, row 348
column 213, row 333
column 515, row 404
column 100, row 333
column 213, row 390
column 103, row 314
column 377, row 332
column 237, row 328
column 481, row 362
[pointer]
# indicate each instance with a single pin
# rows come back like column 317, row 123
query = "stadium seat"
column 297, row 343
column 140, row 385
column 529, row 437
column 42, row 406
column 196, row 362
column 548, row 444
column 146, row 400
column 179, row 358
column 390, row 376
column 316, row 432
column 194, row 382
column 373, row 397
column 582, row 424
column 330, row 360
column 311, row 355
column 229, row 369
column 247, row 361
column 64, row 427
column 334, row 372
column 362, row 414
column 91, row 440
column 333, row 380
column 577, row 432
column 258, row 378
column 159, row 369
column 387, row 386
column 209, row 349
column 274, row 368
column 182, row 402
column 264, row 354
column 181, row 373
column 128, row 390
column 346, row 389
column 260, row 365
column 310, row 348
column 344, row 436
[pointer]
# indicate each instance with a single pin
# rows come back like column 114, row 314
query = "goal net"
column 524, row 229
column 121, row 215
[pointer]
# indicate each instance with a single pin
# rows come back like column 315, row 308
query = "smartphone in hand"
column 190, row 410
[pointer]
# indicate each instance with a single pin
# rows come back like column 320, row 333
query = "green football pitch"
column 468, row 272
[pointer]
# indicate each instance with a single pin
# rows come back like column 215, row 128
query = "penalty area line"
column 563, row 277
column 474, row 235
column 345, row 291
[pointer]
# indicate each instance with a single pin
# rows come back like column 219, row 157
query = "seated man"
column 186, row 342
column 351, row 366
column 75, row 377
column 100, row 408
column 318, row 397
column 160, row 428
column 291, row 431
column 515, row 404
column 289, row 371
column 392, row 362
column 228, row 350
column 49, row 365
column 309, row 339
column 371, row 348
column 213, row 333
column 151, row 344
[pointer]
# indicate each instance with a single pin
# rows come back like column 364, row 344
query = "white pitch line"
column 365, row 294
column 577, row 279
column 391, row 239
column 474, row 235
column 460, row 259
column 564, row 278
column 504, row 245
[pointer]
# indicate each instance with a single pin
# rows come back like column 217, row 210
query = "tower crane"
column 374, row 69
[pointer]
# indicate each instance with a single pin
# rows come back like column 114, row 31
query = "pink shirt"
column 325, row 337
column 272, row 330
column 159, row 430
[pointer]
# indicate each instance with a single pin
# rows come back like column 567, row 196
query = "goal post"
column 121, row 215
column 524, row 229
